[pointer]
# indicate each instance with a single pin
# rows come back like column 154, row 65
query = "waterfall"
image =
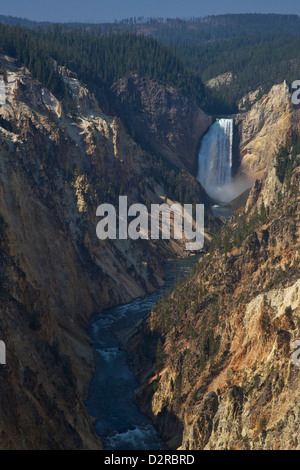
column 215, row 160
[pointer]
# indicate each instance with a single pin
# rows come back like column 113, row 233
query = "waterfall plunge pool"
column 215, row 163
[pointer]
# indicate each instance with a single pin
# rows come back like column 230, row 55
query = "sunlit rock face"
column 263, row 128
column 222, row 368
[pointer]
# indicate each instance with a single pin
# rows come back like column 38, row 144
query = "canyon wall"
column 262, row 129
column 162, row 118
column 215, row 357
column 58, row 161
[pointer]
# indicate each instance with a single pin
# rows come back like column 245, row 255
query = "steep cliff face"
column 59, row 161
column 263, row 128
column 162, row 118
column 219, row 372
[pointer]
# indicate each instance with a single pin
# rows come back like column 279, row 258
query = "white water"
column 215, row 161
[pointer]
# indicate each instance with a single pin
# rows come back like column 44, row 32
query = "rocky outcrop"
column 162, row 119
column 220, row 348
column 249, row 99
column 225, row 79
column 263, row 128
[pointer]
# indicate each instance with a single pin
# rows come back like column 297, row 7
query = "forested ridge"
column 259, row 50
column 101, row 59
column 187, row 30
column 256, row 61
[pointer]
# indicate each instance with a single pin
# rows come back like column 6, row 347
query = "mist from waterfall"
column 215, row 162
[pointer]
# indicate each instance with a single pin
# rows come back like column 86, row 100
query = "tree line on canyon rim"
column 99, row 60
column 259, row 51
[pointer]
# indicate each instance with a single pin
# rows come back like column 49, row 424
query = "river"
column 120, row 423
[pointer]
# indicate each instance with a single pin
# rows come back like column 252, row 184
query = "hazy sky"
column 109, row 10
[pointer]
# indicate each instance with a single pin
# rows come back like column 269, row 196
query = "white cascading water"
column 215, row 160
